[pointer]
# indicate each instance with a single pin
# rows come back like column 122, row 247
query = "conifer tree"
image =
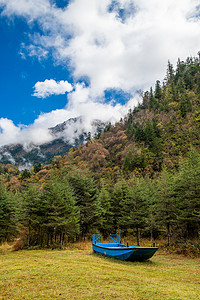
column 187, row 191
column 133, row 208
column 149, row 132
column 153, row 104
column 185, row 104
column 61, row 213
column 158, row 90
column 32, row 213
column 145, row 100
column 120, row 194
column 86, row 199
column 104, row 198
column 170, row 73
column 166, row 205
column 149, row 197
column 179, row 70
column 7, row 214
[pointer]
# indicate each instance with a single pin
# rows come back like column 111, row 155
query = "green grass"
column 80, row 274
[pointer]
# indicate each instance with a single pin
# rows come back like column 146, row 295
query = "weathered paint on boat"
column 120, row 251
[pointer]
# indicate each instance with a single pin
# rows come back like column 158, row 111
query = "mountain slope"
column 156, row 134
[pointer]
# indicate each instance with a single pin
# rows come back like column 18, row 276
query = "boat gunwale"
column 125, row 248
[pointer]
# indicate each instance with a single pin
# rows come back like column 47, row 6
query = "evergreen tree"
column 139, row 133
column 149, row 197
column 153, row 104
column 174, row 92
column 133, row 208
column 179, row 70
column 32, row 214
column 170, row 73
column 145, row 100
column 130, row 117
column 187, row 191
column 104, row 198
column 166, row 205
column 135, row 161
column 7, row 214
column 86, row 199
column 25, row 174
column 37, row 168
column 152, row 138
column 120, row 194
column 89, row 137
column 61, row 213
column 185, row 104
column 158, row 90
column 149, row 132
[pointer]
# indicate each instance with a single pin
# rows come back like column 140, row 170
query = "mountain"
column 158, row 133
column 66, row 135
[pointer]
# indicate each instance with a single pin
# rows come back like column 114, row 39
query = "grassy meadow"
column 77, row 273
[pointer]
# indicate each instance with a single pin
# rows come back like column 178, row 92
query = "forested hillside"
column 141, row 175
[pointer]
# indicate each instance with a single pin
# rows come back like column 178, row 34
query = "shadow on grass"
column 147, row 262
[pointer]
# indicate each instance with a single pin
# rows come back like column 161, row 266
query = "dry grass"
column 5, row 247
column 77, row 273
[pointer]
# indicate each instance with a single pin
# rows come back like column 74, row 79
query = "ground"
column 79, row 274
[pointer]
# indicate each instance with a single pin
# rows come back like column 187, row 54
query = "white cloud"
column 116, row 44
column 33, row 50
column 81, row 103
column 51, row 87
column 31, row 9
column 10, row 134
column 134, row 53
column 122, row 44
column 9, row 157
column 8, row 131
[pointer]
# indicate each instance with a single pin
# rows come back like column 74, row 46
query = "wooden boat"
column 117, row 250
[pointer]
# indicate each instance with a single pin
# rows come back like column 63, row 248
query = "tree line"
column 71, row 205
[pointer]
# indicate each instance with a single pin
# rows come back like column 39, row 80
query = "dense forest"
column 141, row 175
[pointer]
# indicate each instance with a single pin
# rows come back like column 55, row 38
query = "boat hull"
column 122, row 252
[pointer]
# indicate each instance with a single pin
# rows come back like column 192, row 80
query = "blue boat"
column 117, row 250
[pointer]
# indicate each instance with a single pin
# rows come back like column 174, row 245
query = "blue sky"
column 61, row 59
column 17, row 102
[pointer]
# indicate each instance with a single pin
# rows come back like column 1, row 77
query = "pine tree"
column 185, row 104
column 187, row 192
column 86, row 199
column 149, row 197
column 119, row 194
column 149, row 132
column 25, row 174
column 145, row 100
column 179, row 70
column 32, row 214
column 166, row 205
column 153, row 104
column 133, row 209
column 37, row 168
column 61, row 213
column 104, row 198
column 158, row 90
column 170, row 73
column 7, row 214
